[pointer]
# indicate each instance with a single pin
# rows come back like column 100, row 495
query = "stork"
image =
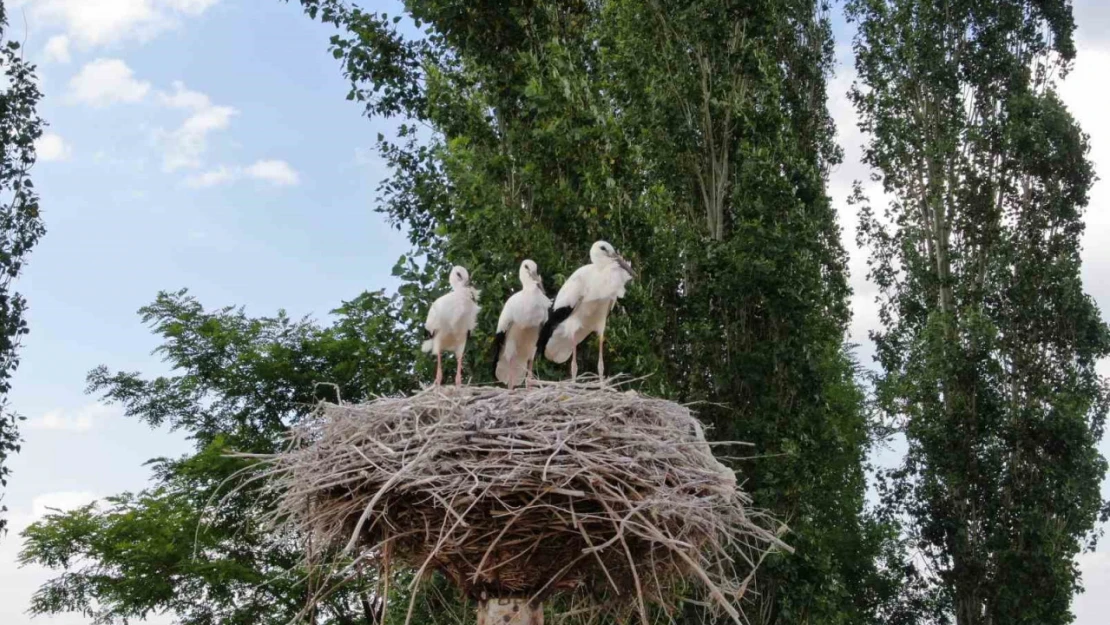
column 518, row 328
column 451, row 319
column 582, row 307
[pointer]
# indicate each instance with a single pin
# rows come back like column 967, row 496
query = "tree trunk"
column 509, row 611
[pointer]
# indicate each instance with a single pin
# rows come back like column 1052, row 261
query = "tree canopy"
column 693, row 136
column 989, row 343
column 183, row 546
column 21, row 224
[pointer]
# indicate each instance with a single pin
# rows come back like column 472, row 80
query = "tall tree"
column 693, row 136
column 21, row 226
column 989, row 343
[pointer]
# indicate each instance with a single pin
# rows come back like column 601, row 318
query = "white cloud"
column 106, row 81
column 185, row 146
column 63, row 501
column 865, row 311
column 1093, row 20
column 82, row 419
column 101, row 22
column 191, row 7
column 1092, row 606
column 184, row 98
column 57, row 49
column 51, row 147
column 276, row 172
column 1085, row 91
column 212, row 177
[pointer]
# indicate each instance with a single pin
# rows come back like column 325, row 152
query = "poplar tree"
column 988, row 342
column 694, row 137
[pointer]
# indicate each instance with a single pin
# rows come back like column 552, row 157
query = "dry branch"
column 568, row 487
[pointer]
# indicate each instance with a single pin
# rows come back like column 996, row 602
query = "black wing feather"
column 554, row 318
column 498, row 345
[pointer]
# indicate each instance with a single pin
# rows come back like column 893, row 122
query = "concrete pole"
column 509, row 611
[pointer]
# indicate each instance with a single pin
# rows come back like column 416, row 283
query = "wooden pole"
column 509, row 611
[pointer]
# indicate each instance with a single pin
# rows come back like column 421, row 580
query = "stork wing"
column 507, row 311
column 498, row 347
column 568, row 298
column 504, row 324
column 431, row 324
column 573, row 290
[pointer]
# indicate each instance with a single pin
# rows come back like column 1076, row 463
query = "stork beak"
column 625, row 266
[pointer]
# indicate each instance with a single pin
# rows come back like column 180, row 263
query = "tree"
column 693, row 136
column 193, row 545
column 21, row 225
column 989, row 343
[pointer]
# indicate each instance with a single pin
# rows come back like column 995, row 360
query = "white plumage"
column 451, row 319
column 518, row 328
column 583, row 304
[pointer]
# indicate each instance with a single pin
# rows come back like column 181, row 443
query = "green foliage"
column 694, row 137
column 21, row 225
column 989, row 342
column 239, row 383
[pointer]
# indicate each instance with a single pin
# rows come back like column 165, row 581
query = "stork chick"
column 582, row 307
column 518, row 328
column 451, row 319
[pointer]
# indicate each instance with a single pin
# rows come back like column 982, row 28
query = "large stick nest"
column 562, row 487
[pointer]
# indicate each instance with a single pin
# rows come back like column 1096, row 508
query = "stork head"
column 460, row 278
column 602, row 253
column 530, row 273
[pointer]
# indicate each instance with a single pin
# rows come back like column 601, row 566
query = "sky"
column 208, row 144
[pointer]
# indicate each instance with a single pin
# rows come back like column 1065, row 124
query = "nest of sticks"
column 581, row 489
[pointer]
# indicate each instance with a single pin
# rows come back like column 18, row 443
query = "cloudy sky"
column 207, row 144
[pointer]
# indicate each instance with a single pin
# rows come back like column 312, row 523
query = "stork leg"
column 528, row 376
column 512, row 374
column 458, row 369
column 574, row 364
column 439, row 368
column 601, row 357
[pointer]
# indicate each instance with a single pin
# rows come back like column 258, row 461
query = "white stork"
column 450, row 321
column 518, row 328
column 582, row 307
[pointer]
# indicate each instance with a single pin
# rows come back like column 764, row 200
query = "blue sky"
column 211, row 149
column 207, row 144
